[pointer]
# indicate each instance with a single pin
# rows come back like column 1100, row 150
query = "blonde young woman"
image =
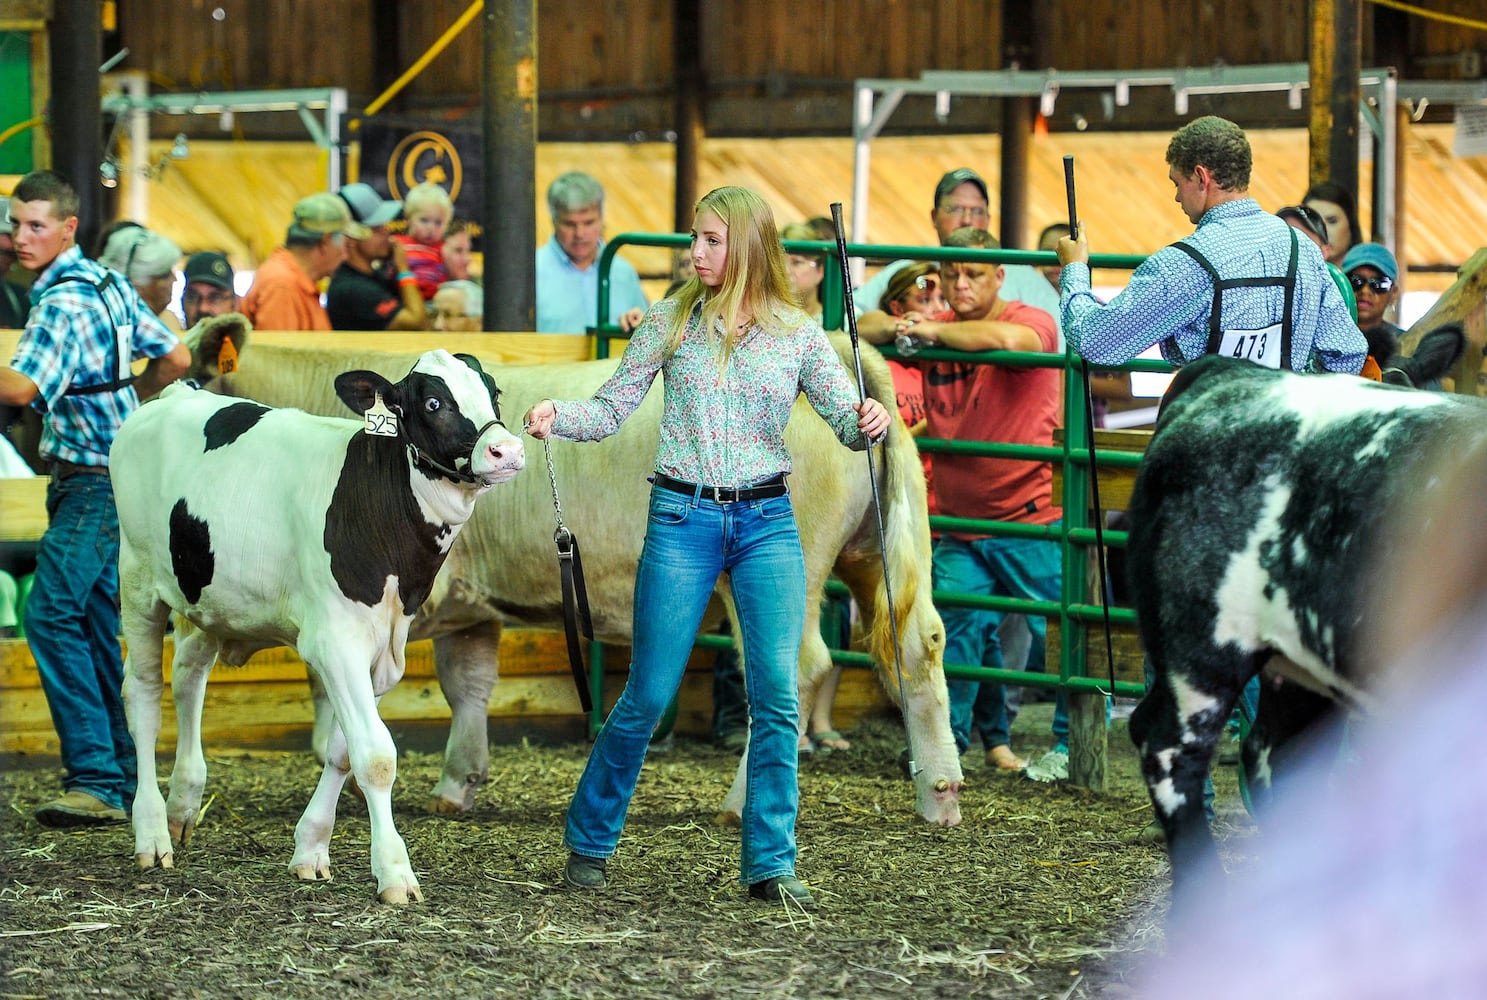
column 736, row 352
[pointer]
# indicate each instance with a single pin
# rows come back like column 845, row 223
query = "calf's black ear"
column 359, row 390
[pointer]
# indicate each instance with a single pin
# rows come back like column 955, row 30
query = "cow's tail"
column 905, row 508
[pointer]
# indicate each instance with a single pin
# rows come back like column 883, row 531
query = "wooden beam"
column 1336, row 63
column 509, row 130
column 691, row 90
column 1465, row 302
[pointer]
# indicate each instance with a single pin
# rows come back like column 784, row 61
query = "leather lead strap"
column 576, row 619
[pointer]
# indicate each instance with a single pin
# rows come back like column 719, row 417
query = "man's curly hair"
column 1217, row 144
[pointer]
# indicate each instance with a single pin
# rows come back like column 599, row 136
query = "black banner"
column 397, row 154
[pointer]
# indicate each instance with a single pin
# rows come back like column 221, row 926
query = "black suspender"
column 1220, row 285
column 124, row 378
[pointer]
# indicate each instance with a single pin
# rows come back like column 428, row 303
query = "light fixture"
column 180, row 149
column 108, row 174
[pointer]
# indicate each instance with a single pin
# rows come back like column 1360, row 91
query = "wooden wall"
column 773, row 66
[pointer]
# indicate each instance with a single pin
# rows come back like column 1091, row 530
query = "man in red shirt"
column 973, row 402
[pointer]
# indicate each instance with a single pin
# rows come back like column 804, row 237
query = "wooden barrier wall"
column 266, row 703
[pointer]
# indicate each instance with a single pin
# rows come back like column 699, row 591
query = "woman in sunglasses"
column 1374, row 274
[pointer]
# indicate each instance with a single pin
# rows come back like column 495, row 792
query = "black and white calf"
column 260, row 527
column 1257, row 518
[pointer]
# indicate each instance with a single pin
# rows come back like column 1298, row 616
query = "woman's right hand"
column 538, row 421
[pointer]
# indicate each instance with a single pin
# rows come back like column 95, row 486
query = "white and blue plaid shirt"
column 1171, row 296
column 74, row 340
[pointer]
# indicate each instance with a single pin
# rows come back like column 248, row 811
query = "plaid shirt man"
column 86, row 325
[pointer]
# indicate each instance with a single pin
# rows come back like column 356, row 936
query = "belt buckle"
column 718, row 495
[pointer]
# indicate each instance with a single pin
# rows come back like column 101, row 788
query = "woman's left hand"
column 872, row 419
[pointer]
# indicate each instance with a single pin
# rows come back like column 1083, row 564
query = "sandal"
column 829, row 741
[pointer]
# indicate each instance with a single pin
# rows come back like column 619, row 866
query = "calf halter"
column 421, row 457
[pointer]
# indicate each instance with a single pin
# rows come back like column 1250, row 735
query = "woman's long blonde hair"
column 754, row 277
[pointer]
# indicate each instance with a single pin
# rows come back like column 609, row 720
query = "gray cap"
column 368, row 207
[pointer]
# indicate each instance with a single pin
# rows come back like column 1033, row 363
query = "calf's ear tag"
column 380, row 421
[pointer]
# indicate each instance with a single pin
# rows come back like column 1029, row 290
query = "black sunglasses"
column 1382, row 284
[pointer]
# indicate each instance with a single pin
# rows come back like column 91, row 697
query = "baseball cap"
column 1371, row 255
column 368, row 207
column 1311, row 220
column 323, row 214
column 955, row 179
column 209, row 267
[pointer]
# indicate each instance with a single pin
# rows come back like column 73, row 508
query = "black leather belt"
column 60, row 469
column 726, row 494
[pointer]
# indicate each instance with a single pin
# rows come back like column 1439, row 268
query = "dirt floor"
column 1038, row 893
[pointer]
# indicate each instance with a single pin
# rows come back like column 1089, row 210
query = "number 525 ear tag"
column 380, row 421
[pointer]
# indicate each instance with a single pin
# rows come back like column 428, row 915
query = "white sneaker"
column 1052, row 766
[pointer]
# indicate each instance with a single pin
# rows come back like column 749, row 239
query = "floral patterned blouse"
column 720, row 429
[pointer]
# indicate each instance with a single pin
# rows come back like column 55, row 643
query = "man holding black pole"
column 1244, row 284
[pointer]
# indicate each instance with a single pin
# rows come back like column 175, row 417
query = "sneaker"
column 584, row 872
column 782, row 888
column 1052, row 766
column 734, row 740
column 1003, row 759
column 78, row 808
column 1150, row 835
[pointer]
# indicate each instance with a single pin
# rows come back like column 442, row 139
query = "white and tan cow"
column 1258, row 521
column 502, row 569
column 261, row 527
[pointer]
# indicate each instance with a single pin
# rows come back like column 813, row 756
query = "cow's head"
column 447, row 412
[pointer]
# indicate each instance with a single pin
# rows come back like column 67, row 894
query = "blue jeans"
column 689, row 542
column 72, row 626
column 1005, row 567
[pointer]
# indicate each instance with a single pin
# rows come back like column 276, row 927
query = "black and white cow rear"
column 1258, row 511
column 260, row 527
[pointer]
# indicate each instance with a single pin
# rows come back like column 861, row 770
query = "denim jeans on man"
column 689, row 541
column 72, row 626
column 1002, row 567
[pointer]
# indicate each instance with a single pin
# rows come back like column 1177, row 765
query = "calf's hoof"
column 401, row 894
column 440, row 806
column 728, row 818
column 311, row 871
column 152, row 859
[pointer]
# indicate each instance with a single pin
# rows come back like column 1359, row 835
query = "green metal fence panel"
column 1075, row 612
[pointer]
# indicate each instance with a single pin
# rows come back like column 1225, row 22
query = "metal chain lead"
column 552, row 479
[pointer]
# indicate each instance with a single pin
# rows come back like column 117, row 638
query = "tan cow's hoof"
column 728, row 819
column 151, row 860
column 401, row 895
column 440, row 806
column 309, row 872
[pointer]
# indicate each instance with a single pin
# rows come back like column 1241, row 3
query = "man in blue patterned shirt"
column 1242, row 284
column 72, row 363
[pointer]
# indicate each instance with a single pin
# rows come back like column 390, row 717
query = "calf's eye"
column 431, row 404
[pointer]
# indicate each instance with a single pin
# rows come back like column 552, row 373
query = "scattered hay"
column 1037, row 894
